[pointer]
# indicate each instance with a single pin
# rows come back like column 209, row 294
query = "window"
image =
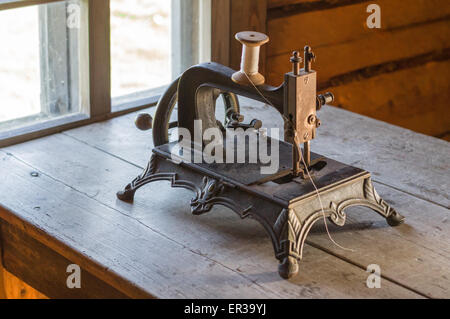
column 69, row 63
column 140, row 45
column 41, row 68
column 140, row 51
column 152, row 43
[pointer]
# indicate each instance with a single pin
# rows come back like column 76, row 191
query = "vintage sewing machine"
column 286, row 202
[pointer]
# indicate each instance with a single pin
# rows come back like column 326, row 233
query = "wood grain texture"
column 17, row 289
column 416, row 98
column 286, row 9
column 416, row 255
column 248, row 15
column 12, row 287
column 373, row 49
column 445, row 136
column 2, row 279
column 412, row 34
column 219, row 250
column 99, row 58
column 279, row 3
column 46, row 270
column 393, row 155
column 325, row 28
column 335, row 141
column 220, row 33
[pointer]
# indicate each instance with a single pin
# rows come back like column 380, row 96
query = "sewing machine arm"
column 196, row 93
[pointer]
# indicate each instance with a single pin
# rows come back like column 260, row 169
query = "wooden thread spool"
column 251, row 43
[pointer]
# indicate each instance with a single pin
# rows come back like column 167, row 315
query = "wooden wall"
column 12, row 287
column 228, row 18
column 399, row 73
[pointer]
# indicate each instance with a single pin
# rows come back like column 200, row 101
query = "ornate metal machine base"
column 286, row 207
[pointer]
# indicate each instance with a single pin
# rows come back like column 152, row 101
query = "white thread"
column 320, row 201
column 250, row 59
column 306, row 167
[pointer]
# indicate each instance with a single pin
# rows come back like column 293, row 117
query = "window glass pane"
column 19, row 70
column 39, row 63
column 140, row 45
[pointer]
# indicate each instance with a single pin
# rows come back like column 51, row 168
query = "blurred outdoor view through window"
column 19, row 68
column 140, row 45
column 40, row 69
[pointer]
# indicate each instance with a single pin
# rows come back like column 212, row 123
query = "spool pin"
column 251, row 43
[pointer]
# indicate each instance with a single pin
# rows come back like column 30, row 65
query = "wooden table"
column 68, row 213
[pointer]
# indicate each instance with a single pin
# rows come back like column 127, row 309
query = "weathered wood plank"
column 17, row 289
column 283, row 8
column 2, row 276
column 177, row 217
column 46, row 270
column 99, row 58
column 248, row 15
column 122, row 145
column 220, row 31
column 132, row 240
column 12, row 287
column 415, row 98
column 278, row 3
column 445, row 136
column 345, row 24
column 416, row 254
column 373, row 48
column 115, row 247
column 400, row 158
column 411, row 34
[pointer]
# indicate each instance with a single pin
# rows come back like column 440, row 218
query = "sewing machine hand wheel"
column 166, row 104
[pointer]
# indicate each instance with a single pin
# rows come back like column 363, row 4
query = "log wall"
column 399, row 73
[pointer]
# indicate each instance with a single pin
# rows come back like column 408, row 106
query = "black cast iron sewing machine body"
column 285, row 202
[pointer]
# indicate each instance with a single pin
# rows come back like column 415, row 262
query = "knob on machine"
column 143, row 121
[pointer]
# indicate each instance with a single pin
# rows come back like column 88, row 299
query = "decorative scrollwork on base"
column 288, row 229
column 371, row 200
column 336, row 214
column 206, row 195
column 372, row 196
column 292, row 231
column 209, row 191
column 293, row 223
column 128, row 193
column 209, row 194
